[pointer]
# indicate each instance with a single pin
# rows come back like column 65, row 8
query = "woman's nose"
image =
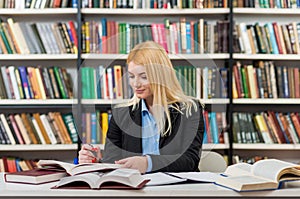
column 136, row 82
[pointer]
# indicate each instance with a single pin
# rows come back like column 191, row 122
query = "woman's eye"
column 130, row 76
column 144, row 77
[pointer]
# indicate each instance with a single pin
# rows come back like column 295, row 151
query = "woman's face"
column 139, row 82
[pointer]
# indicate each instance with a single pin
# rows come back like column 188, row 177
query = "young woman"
column 160, row 128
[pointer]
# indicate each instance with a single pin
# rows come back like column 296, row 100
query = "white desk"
column 197, row 190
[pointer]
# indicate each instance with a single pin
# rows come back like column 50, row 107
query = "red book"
column 277, row 37
column 207, row 127
column 73, row 31
column 35, row 176
column 297, row 83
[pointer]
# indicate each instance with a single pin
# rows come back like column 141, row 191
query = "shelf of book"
column 273, row 44
column 38, row 147
column 267, row 56
column 267, row 101
column 45, row 11
column 61, row 59
column 262, row 146
column 38, row 57
column 267, row 11
column 172, row 56
column 207, row 11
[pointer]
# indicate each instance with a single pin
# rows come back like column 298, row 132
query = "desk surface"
column 198, row 190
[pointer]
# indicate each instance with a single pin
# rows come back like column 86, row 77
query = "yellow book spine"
column 104, row 125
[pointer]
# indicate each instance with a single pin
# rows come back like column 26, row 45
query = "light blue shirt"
column 150, row 135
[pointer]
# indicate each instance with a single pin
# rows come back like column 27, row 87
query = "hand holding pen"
column 89, row 153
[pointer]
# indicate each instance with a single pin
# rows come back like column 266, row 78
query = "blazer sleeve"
column 184, row 154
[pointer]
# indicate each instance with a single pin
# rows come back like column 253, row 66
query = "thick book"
column 116, row 179
column 265, row 174
column 73, row 169
column 35, row 176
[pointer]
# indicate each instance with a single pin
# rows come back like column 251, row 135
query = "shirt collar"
column 144, row 107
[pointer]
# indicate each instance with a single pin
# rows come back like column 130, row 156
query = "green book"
column 85, row 83
column 92, row 83
column 59, row 80
column 71, row 127
column 244, row 81
column 4, row 38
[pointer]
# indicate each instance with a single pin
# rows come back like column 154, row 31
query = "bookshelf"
column 43, row 106
column 74, row 61
column 285, row 151
column 149, row 16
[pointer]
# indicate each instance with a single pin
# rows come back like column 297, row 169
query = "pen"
column 94, row 152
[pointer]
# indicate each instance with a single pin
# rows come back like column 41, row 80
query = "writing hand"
column 136, row 162
column 89, row 154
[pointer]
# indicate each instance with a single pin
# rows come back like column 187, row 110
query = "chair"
column 212, row 161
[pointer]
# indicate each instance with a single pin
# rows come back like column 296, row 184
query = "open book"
column 73, row 169
column 160, row 178
column 119, row 178
column 262, row 175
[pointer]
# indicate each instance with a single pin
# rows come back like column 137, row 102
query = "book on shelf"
column 116, row 179
column 73, row 169
column 34, row 176
column 265, row 174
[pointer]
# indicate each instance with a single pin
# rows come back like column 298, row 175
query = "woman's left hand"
column 136, row 162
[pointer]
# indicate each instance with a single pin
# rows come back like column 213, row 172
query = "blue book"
column 205, row 140
column 214, row 128
column 25, row 84
column 74, row 3
column 93, row 128
column 188, row 38
column 272, row 38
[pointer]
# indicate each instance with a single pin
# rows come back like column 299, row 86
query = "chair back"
column 212, row 161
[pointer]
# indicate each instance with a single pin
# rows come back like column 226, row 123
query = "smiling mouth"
column 139, row 91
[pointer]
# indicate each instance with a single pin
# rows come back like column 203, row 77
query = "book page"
column 246, row 183
column 55, row 163
column 160, row 178
column 238, row 169
column 88, row 167
column 73, row 169
column 89, row 178
column 128, row 177
column 270, row 168
column 197, row 176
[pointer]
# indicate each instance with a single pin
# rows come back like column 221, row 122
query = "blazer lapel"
column 136, row 130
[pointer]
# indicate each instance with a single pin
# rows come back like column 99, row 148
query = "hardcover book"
column 263, row 175
column 35, row 176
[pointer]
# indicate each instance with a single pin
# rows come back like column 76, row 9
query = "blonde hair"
column 164, row 84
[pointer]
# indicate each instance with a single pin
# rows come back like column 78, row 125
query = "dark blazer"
column 179, row 151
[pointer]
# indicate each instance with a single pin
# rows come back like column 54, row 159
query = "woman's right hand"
column 86, row 154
